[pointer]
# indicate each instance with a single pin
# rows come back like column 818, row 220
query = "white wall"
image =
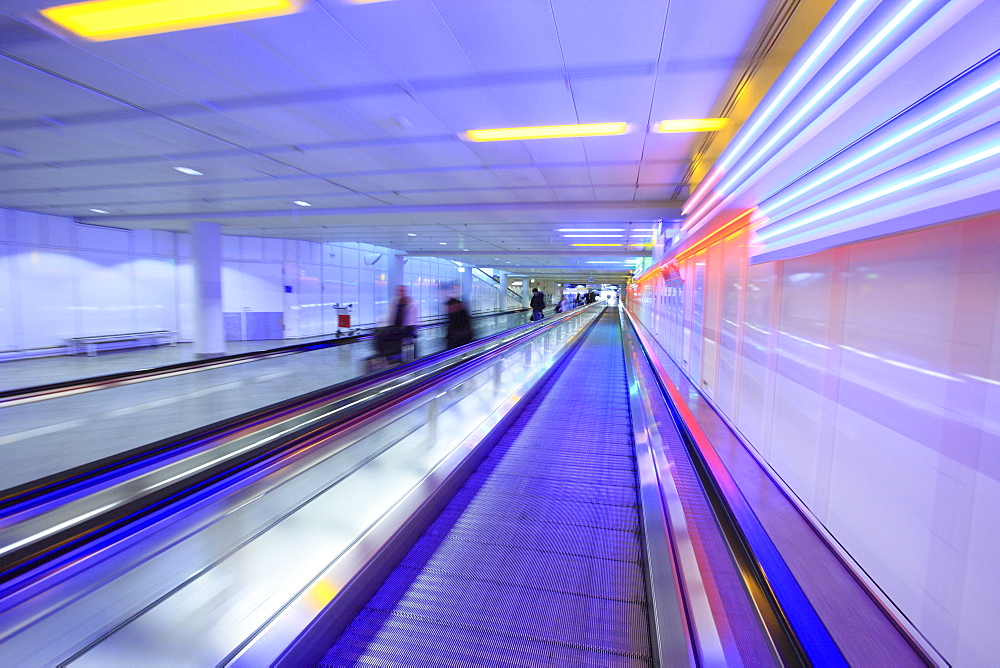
column 60, row 279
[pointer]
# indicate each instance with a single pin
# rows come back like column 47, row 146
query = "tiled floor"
column 46, row 437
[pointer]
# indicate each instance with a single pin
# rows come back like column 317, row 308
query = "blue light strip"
column 771, row 110
column 915, row 180
column 858, row 58
column 768, row 208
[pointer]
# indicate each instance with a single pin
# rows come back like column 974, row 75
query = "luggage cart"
column 344, row 321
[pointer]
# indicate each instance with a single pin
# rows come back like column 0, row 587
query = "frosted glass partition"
column 255, row 561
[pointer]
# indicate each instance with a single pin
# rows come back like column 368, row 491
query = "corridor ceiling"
column 360, row 111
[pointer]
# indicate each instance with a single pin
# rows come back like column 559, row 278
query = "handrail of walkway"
column 48, row 391
column 100, row 563
column 38, row 528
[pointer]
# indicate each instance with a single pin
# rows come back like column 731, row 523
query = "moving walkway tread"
column 538, row 558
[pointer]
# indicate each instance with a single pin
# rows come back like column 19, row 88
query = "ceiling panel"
column 499, row 36
column 543, row 103
column 361, row 110
column 610, row 32
column 410, row 39
column 320, row 48
column 235, row 56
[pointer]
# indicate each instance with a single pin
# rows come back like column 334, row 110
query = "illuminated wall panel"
column 869, row 381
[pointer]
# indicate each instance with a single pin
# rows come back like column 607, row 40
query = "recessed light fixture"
column 692, row 125
column 410, row 234
column 466, row 250
column 442, row 243
column 99, row 211
column 301, row 203
column 188, row 170
column 101, row 20
column 548, row 131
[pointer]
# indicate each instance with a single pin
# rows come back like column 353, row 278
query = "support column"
column 502, row 301
column 525, row 292
column 206, row 258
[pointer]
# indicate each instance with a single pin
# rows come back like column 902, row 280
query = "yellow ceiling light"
column 548, row 132
column 101, row 20
column 692, row 125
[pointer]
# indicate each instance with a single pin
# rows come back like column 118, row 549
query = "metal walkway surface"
column 538, row 560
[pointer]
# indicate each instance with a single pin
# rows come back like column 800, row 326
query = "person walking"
column 459, row 327
column 404, row 319
column 537, row 304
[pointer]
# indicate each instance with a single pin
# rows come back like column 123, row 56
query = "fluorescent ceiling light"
column 442, row 243
column 604, row 262
column 645, row 230
column 590, row 229
column 597, row 244
column 593, row 236
column 99, row 211
column 548, row 132
column 410, row 234
column 188, row 170
column 301, row 203
column 692, row 125
column 101, row 20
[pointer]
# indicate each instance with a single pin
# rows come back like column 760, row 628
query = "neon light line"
column 889, row 143
column 731, row 153
column 888, row 190
column 879, row 37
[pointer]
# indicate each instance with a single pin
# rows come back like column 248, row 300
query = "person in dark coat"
column 459, row 329
column 537, row 304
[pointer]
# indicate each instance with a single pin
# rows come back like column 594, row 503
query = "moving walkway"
column 531, row 498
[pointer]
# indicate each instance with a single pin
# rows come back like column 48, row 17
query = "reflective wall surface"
column 868, row 377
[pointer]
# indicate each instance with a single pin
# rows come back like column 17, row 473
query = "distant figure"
column 537, row 304
column 404, row 318
column 563, row 304
column 459, row 329
column 591, row 297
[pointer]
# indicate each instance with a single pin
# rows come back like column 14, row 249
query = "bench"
column 90, row 344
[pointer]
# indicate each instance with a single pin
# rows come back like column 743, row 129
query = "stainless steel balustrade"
column 234, row 575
